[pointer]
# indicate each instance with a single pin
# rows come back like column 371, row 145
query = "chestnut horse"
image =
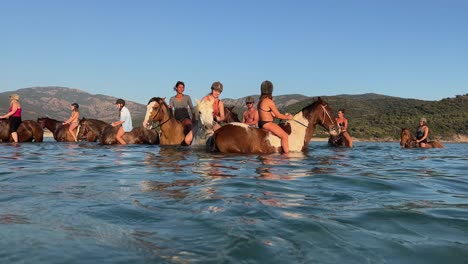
column 409, row 141
column 172, row 130
column 60, row 131
column 240, row 138
column 28, row 131
column 230, row 115
column 94, row 129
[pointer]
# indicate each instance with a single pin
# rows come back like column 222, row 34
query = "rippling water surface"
column 375, row 203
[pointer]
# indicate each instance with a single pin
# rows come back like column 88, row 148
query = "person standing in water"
column 14, row 116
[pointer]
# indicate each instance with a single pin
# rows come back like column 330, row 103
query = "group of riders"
column 261, row 116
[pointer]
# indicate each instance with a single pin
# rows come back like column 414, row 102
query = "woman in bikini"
column 73, row 120
column 343, row 123
column 267, row 111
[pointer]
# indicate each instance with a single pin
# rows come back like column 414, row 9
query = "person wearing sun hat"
column 250, row 116
column 14, row 115
column 422, row 132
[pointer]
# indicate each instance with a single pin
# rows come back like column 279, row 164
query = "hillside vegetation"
column 373, row 116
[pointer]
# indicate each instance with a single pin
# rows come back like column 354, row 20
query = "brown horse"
column 409, row 141
column 240, row 138
column 91, row 129
column 28, row 131
column 230, row 115
column 94, row 129
column 60, row 131
column 338, row 141
column 172, row 130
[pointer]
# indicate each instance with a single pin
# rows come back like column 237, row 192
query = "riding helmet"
column 217, row 86
column 75, row 105
column 266, row 87
column 120, row 101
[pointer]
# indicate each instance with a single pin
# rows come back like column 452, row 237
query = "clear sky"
column 139, row 49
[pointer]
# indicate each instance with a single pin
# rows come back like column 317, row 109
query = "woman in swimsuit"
column 73, row 120
column 343, row 123
column 267, row 111
column 14, row 115
column 422, row 132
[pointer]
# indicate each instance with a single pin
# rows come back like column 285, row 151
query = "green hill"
column 373, row 116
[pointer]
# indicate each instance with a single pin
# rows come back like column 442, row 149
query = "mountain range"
column 371, row 116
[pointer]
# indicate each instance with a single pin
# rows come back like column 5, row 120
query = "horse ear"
column 197, row 101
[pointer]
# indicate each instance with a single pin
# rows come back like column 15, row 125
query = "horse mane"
column 307, row 110
column 46, row 117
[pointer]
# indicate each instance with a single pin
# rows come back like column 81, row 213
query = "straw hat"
column 14, row 97
column 423, row 119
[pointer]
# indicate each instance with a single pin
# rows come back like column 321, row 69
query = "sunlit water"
column 375, row 203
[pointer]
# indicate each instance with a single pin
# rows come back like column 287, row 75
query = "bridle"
column 157, row 113
column 325, row 113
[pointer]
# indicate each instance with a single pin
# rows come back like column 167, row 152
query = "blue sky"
column 139, row 49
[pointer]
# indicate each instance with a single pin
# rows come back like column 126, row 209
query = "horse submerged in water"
column 28, row 131
column 59, row 131
column 93, row 130
column 172, row 130
column 230, row 115
column 338, row 141
column 409, row 141
column 240, row 138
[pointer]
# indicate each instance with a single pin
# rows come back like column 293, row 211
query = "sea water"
column 375, row 203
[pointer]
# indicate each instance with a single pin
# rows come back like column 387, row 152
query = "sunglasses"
column 249, row 103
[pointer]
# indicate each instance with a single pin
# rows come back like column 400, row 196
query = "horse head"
column 157, row 111
column 205, row 113
column 230, row 115
column 406, row 138
column 319, row 112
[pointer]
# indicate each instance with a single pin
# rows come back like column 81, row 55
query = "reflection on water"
column 377, row 203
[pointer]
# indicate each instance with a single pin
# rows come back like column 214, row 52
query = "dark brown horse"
column 338, row 141
column 94, row 129
column 60, row 132
column 172, row 130
column 240, row 138
column 28, row 131
column 230, row 115
column 409, row 141
column 91, row 129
